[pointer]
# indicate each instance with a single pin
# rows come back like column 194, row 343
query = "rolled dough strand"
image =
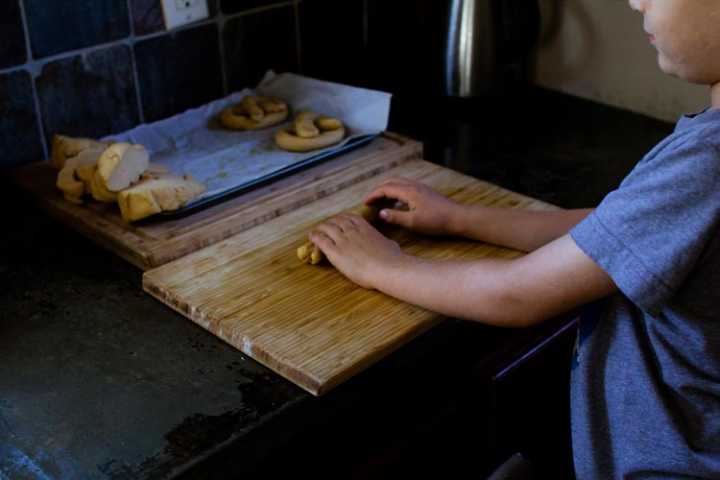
column 254, row 113
column 304, row 124
column 250, row 104
column 271, row 104
column 310, row 131
column 310, row 253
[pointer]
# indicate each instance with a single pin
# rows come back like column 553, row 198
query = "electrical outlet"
column 180, row 12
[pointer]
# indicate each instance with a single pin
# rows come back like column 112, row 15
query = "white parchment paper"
column 194, row 143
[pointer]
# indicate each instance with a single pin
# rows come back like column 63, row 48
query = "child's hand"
column 428, row 211
column 356, row 249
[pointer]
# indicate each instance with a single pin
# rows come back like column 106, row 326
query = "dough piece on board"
column 121, row 165
column 310, row 253
column 69, row 180
column 156, row 194
column 64, row 147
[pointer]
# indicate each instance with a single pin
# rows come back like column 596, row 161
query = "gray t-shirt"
column 645, row 389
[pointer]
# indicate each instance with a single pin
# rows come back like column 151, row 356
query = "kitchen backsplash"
column 97, row 67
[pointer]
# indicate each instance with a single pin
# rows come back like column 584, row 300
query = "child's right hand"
column 428, row 211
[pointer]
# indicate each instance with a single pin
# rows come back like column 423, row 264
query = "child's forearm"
column 511, row 293
column 519, row 229
column 475, row 290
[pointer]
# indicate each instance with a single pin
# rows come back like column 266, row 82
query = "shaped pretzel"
column 254, row 113
column 310, row 131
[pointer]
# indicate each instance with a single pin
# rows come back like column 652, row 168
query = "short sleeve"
column 649, row 234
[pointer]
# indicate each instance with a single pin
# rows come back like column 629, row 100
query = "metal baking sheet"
column 229, row 162
column 208, row 200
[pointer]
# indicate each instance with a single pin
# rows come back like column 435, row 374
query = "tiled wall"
column 392, row 45
column 96, row 67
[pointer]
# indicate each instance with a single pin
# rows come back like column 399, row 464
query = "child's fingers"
column 322, row 241
column 346, row 222
column 396, row 217
column 391, row 190
column 333, row 231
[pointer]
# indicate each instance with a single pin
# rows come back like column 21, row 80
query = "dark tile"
column 61, row 25
column 12, row 35
column 521, row 25
column 91, row 97
column 393, row 46
column 179, row 71
column 342, row 59
column 247, row 57
column 405, row 45
column 147, row 15
column 235, row 6
column 213, row 7
column 19, row 136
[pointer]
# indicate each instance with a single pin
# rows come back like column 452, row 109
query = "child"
column 646, row 379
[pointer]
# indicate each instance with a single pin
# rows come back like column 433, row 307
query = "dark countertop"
column 99, row 380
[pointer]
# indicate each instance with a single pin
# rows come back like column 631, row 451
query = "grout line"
column 13, row 69
column 133, row 39
column 133, row 65
column 298, row 37
column 35, row 95
column 366, row 24
column 221, row 20
column 200, row 23
column 131, row 24
column 265, row 8
column 26, row 31
column 38, row 64
column 136, row 79
column 35, row 66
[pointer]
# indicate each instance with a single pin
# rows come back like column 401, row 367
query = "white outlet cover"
column 181, row 12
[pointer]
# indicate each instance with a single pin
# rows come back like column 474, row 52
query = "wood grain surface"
column 309, row 323
column 159, row 240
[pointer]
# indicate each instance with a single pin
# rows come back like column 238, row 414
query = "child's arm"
column 431, row 213
column 551, row 280
column 519, row 229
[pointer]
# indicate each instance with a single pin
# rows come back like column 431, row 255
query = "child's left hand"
column 357, row 249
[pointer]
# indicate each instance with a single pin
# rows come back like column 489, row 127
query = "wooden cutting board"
column 309, row 323
column 159, row 240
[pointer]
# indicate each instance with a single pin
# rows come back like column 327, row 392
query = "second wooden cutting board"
column 309, row 323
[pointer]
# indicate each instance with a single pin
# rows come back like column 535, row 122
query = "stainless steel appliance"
column 488, row 45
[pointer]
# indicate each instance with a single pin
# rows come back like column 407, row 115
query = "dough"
column 64, row 147
column 121, row 165
column 254, row 113
column 157, row 193
column 309, row 253
column 69, row 180
column 310, row 131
